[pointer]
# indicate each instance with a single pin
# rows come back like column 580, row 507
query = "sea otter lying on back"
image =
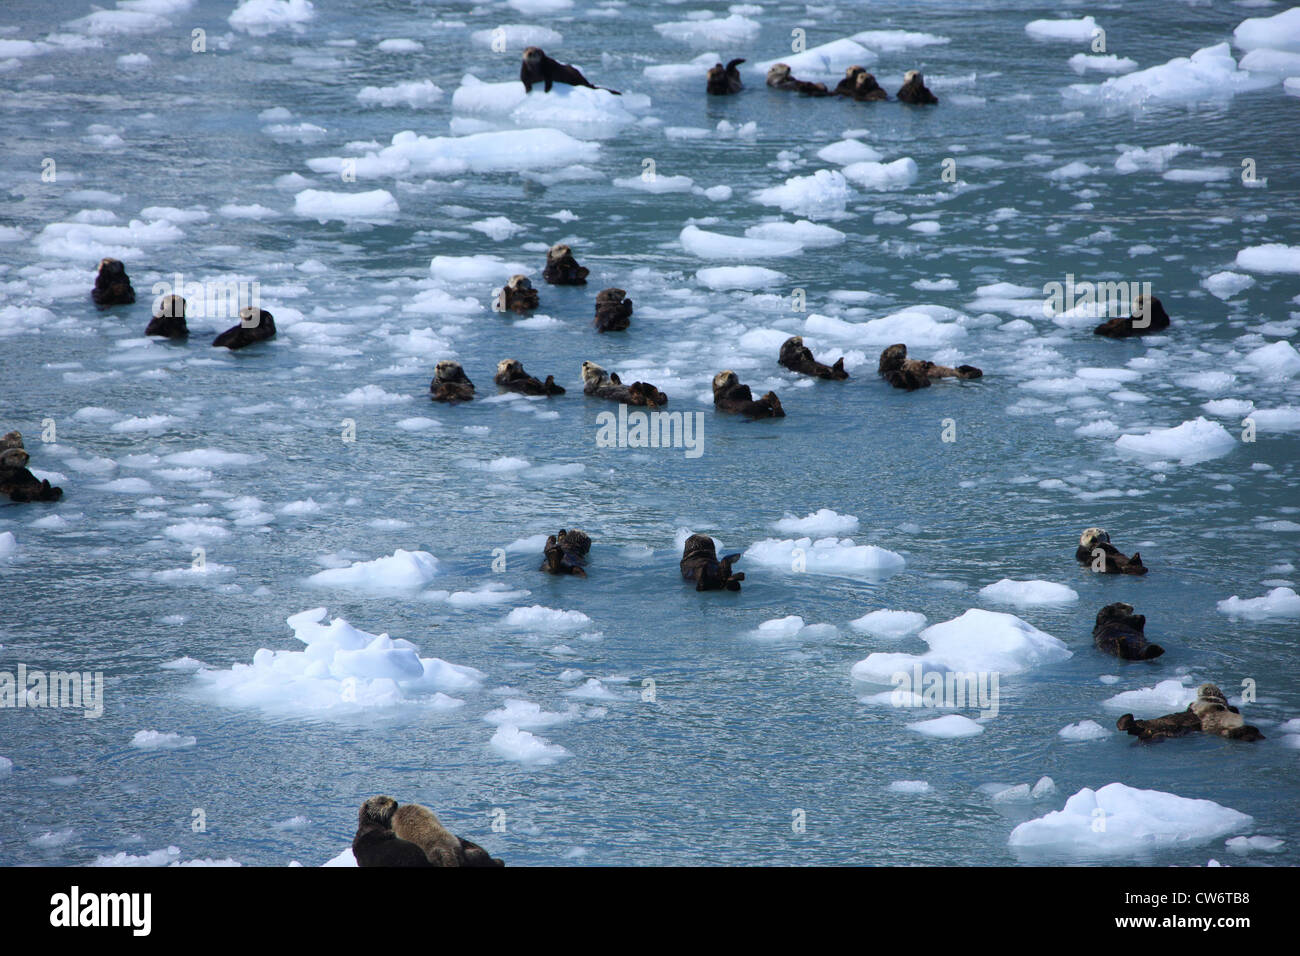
column 512, row 377
column 562, row 268
column 1210, row 713
column 722, row 80
column 797, row 357
column 112, row 285
column 915, row 91
column 450, row 383
column 1096, row 550
column 729, row 395
column 700, row 564
column 410, row 836
column 537, row 67
column 255, row 325
column 1119, row 632
column 910, row 374
column 1148, row 316
column 779, row 78
column 517, row 295
column 15, row 480
column 596, row 381
column 613, row 311
column 566, row 553
column 846, row 86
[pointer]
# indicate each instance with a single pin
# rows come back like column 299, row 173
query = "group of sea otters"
column 410, row 835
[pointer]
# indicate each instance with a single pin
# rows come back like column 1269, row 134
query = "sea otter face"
column 893, row 358
column 533, row 56
column 867, row 81
column 716, row 73
column 171, row 307
column 518, row 282
column 14, row 458
column 13, row 439
column 249, row 317
column 378, row 810
column 724, row 380
column 1209, row 692
column 779, row 72
column 448, row 371
column 1093, row 537
column 111, row 268
column 853, row 71
column 593, row 375
column 912, row 77
column 557, row 252
column 511, row 367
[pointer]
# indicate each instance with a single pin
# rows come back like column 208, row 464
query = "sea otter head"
column 378, row 810
column 1210, row 693
column 614, row 296
column 111, row 269
column 558, row 252
column 723, row 381
column 778, row 72
column 533, row 56
column 170, row 307
column 1120, row 613
column 13, row 439
column 510, row 367
column 14, row 458
column 699, row 544
column 449, row 371
column 912, row 78
column 1093, row 537
column 252, row 318
column 717, row 74
column 866, row 82
column 593, row 375
column 853, row 71
column 892, row 358
column 518, row 282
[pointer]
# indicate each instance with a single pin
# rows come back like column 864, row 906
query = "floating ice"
column 376, row 205
column 739, row 277
column 909, row 786
column 1209, row 74
column 1108, row 63
column 526, row 715
column 402, row 570
column 889, row 625
column 538, row 618
column 155, row 740
column 1276, row 360
column 8, row 544
column 821, row 523
column 947, row 726
column 523, row 747
column 1072, row 31
column 824, row 60
column 261, row 17
column 803, row 232
column 822, row 195
column 883, row 177
column 516, row 36
column 1245, row 845
column 1276, row 419
column 577, row 109
column 1083, row 730
column 1225, row 285
column 1270, row 257
column 731, row 31
column 1137, row 822
column 790, row 628
column 1166, row 697
column 715, row 245
column 848, row 151
column 1028, row 593
column 825, row 556
column 979, row 640
column 895, row 41
column 414, row 94
column 1279, row 602
column 85, row 241
column 918, row 326
column 1279, row 32
column 1190, row 443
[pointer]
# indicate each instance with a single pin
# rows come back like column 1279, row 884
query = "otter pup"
column 562, row 268
column 729, row 395
column 517, row 295
column 566, row 553
column 112, row 285
column 724, row 80
column 15, row 480
column 613, row 310
column 797, row 357
column 1095, row 539
column 866, row 89
column 1210, row 713
column 915, row 91
column 846, row 86
column 910, row 374
column 375, row 843
column 512, row 377
column 450, row 383
column 418, row 825
column 169, row 319
column 700, row 564
column 1119, row 632
column 255, row 325
column 1148, row 316
column 537, row 67
column 596, row 381
column 779, row 78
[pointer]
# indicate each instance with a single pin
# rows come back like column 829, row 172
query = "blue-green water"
column 743, row 732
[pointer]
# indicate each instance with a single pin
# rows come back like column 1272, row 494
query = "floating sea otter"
column 797, row 357
column 1148, row 316
column 417, row 825
column 112, row 285
column 255, row 325
column 596, row 381
column 846, row 86
column 537, row 67
column 1095, row 544
column 450, row 383
column 910, row 374
column 915, row 91
column 700, row 564
column 1119, row 632
column 562, row 268
column 169, row 319
column 729, row 395
column 613, row 311
column 1210, row 713
column 566, row 553
column 517, row 295
column 778, row 77
column 15, row 480
column 512, row 377
column 724, row 80
column 866, row 89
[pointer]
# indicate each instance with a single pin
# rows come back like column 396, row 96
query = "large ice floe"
column 979, row 641
column 920, row 326
column 1208, row 74
column 1166, row 697
column 399, row 571
column 342, row 670
column 1188, row 444
column 1122, row 821
column 527, row 150
column 825, row 556
column 1279, row 602
column 575, row 109
column 828, row 59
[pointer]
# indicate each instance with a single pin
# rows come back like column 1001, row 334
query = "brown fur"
column 724, row 81
column 169, row 319
column 375, row 843
column 700, row 564
column 1120, row 632
column 779, row 78
column 846, row 86
column 915, row 91
column 867, row 90
column 797, row 357
column 112, row 285
column 450, row 383
column 517, row 295
column 1148, row 316
column 613, row 311
column 418, row 825
column 536, row 67
column 910, row 374
column 1114, row 562
column 562, row 268
column 601, row 384
column 15, row 480
column 255, row 325
column 1210, row 713
column 566, row 553
column 729, row 395
column 512, row 377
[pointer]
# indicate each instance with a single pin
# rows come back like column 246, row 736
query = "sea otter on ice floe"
column 418, row 825
column 537, row 67
column 797, row 357
column 729, row 395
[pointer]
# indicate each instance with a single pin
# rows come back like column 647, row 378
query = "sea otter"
column 868, row 90
column 613, row 310
column 417, row 825
column 1095, row 543
column 517, row 295
column 724, row 80
column 596, row 381
column 1148, row 316
column 537, row 67
column 779, row 78
column 846, row 86
column 169, row 319
column 729, row 395
column 566, row 553
column 1119, row 632
column 512, row 377
column 910, row 374
column 1210, row 713
column 797, row 357
column 562, row 268
column 112, row 285
column 915, row 91
column 15, row 480
column 700, row 564
column 375, row 843
column 450, row 383
column 255, row 325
